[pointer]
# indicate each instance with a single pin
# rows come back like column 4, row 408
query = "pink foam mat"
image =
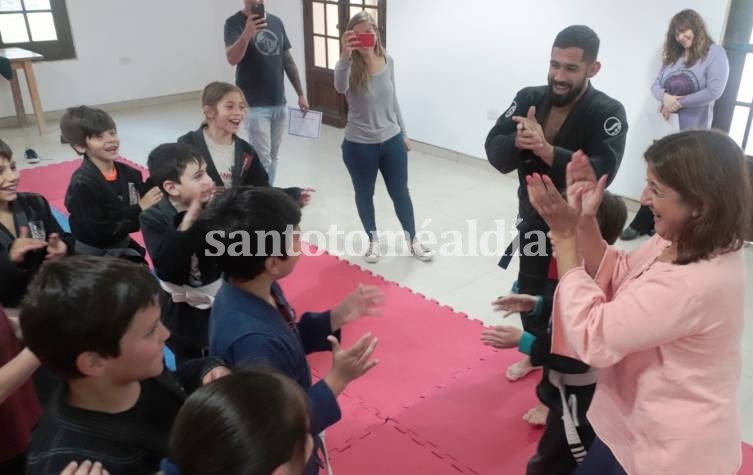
column 422, row 345
column 409, row 411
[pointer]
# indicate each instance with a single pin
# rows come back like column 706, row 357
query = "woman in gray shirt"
column 375, row 138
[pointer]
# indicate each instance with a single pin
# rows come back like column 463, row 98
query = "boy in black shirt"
column 29, row 233
column 104, row 197
column 189, row 278
column 95, row 322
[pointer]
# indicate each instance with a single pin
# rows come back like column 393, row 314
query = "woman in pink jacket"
column 664, row 323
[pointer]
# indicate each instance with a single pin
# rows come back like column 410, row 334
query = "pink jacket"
column 667, row 341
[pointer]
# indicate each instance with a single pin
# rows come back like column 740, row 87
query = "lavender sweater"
column 700, row 85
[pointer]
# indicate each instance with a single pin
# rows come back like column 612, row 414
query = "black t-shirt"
column 260, row 74
column 127, row 443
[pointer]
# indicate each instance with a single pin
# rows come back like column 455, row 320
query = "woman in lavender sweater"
column 693, row 76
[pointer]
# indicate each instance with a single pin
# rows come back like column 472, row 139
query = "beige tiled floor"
column 446, row 192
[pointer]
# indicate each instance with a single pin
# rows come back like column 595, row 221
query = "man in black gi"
column 538, row 134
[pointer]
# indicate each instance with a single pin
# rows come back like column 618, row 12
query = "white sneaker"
column 373, row 253
column 422, row 253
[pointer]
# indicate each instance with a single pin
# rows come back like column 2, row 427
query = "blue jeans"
column 599, row 461
column 265, row 127
column 364, row 161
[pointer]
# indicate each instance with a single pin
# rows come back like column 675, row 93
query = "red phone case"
column 366, row 40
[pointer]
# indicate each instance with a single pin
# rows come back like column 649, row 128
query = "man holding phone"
column 256, row 43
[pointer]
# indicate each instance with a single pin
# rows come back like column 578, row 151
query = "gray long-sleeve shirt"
column 374, row 113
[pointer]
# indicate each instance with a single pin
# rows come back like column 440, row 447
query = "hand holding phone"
column 349, row 42
column 256, row 20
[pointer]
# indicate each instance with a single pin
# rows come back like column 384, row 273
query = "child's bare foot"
column 520, row 369
column 537, row 415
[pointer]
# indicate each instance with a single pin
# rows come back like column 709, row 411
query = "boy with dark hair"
column 105, row 196
column 567, row 385
column 29, row 233
column 95, row 322
column 252, row 322
column 190, row 279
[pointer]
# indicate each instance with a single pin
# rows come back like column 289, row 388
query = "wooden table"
column 22, row 59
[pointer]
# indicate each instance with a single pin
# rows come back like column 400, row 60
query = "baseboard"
column 55, row 115
column 450, row 155
column 453, row 156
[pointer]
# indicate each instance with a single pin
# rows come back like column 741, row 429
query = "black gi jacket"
column 596, row 125
column 99, row 216
column 14, row 278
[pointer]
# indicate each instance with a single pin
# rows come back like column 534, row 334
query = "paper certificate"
column 661, row 127
column 309, row 126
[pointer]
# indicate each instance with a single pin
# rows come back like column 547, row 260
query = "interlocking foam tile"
column 389, row 450
column 358, row 419
column 747, row 467
column 478, row 419
column 421, row 345
column 51, row 181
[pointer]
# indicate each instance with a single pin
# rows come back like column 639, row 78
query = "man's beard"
column 559, row 100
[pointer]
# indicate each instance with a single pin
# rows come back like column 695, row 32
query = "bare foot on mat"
column 537, row 415
column 520, row 369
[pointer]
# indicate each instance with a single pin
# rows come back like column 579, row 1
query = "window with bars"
column 742, row 114
column 326, row 19
column 40, row 26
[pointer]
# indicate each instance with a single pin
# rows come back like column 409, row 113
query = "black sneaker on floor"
column 31, row 156
column 629, row 234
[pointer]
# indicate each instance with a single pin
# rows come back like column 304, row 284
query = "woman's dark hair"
column 686, row 20
column 80, row 304
column 708, row 170
column 248, row 422
column 611, row 217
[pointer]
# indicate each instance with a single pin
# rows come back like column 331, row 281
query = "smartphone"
column 366, row 40
column 257, row 10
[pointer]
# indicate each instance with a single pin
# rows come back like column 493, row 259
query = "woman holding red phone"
column 375, row 138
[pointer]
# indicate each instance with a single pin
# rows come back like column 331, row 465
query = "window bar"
column 746, row 135
column 26, row 22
